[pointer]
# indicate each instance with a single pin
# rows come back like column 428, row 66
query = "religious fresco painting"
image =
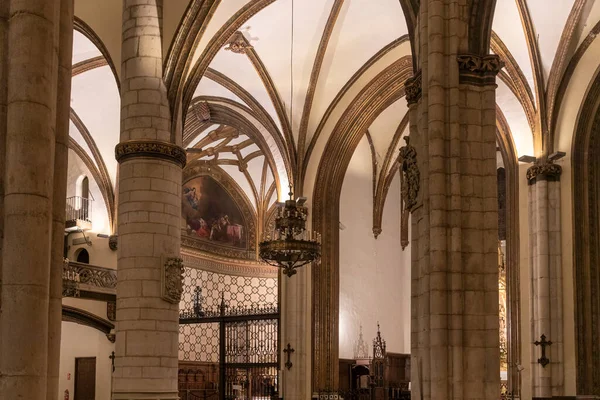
column 211, row 214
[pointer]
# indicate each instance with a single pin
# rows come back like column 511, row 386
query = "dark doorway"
column 85, row 378
column 83, row 256
column 85, row 188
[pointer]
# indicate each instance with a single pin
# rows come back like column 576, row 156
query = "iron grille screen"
column 200, row 306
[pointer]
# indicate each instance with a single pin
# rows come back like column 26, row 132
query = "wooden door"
column 85, row 378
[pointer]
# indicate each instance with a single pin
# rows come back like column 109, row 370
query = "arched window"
column 82, row 256
column 85, row 188
column 82, row 197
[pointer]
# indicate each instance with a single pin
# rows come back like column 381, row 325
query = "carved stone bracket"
column 202, row 111
column 543, row 171
column 478, row 70
column 413, row 88
column 172, row 285
column 113, row 242
column 150, row 148
column 410, row 184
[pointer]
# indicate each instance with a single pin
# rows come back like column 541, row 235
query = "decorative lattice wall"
column 200, row 342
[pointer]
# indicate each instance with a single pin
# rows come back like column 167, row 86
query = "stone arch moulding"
column 386, row 88
column 480, row 26
column 511, row 166
column 586, row 241
column 80, row 26
column 227, row 112
column 73, row 314
column 200, row 169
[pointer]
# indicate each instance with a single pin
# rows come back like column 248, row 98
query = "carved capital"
column 172, row 285
column 413, row 88
column 544, row 171
column 150, row 148
column 479, row 70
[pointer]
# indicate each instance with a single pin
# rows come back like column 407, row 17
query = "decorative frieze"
column 544, row 171
column 172, row 285
column 479, row 70
column 413, row 88
column 150, row 148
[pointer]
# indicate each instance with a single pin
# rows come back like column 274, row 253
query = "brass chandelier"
column 291, row 245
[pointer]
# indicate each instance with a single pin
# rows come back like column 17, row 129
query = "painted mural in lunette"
column 211, row 214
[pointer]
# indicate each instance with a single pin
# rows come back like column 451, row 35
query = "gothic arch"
column 227, row 112
column 480, row 26
column 72, row 314
column 380, row 93
column 586, row 240
column 511, row 165
column 80, row 26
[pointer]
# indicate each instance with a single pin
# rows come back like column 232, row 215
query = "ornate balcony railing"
column 84, row 280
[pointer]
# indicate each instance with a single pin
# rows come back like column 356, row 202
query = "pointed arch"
column 586, row 240
column 480, row 26
column 89, row 33
column 385, row 89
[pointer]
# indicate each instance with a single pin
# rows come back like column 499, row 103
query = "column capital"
column 413, row 88
column 479, row 70
column 543, row 171
column 150, row 148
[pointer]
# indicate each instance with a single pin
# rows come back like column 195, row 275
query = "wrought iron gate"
column 248, row 351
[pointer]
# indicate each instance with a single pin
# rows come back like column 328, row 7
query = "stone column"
column 295, row 324
column 29, row 165
column 61, row 164
column 546, row 279
column 149, row 214
column 3, row 106
column 455, row 337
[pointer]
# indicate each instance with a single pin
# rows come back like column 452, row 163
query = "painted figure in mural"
column 211, row 213
column 191, row 196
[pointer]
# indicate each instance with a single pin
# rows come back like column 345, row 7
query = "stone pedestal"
column 149, row 215
column 546, row 279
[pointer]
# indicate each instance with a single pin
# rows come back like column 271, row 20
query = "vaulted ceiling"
column 267, row 86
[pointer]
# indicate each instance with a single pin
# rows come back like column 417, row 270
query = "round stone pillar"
column 149, row 214
column 547, row 360
column 61, row 164
column 28, row 186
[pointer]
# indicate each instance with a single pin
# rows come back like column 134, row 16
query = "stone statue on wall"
column 409, row 186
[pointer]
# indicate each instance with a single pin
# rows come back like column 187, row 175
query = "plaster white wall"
column 374, row 273
column 82, row 341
